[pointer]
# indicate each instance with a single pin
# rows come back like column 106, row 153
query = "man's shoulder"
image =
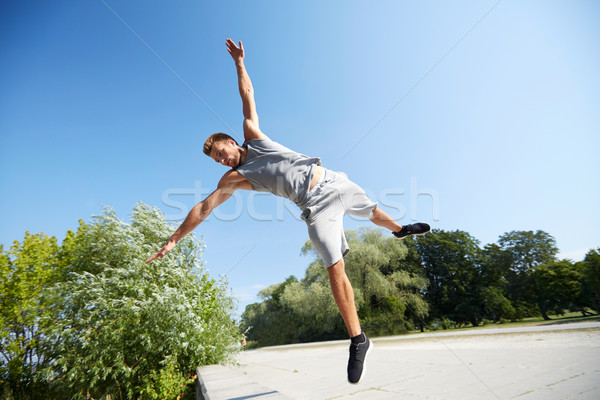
column 266, row 145
column 258, row 140
column 233, row 178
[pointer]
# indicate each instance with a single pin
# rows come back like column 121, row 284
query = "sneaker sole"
column 364, row 371
column 413, row 234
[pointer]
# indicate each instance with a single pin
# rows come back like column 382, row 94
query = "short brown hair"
column 212, row 139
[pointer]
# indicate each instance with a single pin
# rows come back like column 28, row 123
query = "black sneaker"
column 420, row 228
column 356, row 363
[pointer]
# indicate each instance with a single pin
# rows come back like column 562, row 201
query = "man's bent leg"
column 381, row 218
column 344, row 296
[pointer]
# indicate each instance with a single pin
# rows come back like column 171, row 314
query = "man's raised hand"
column 161, row 253
column 237, row 53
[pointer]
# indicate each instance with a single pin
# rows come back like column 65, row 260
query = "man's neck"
column 243, row 153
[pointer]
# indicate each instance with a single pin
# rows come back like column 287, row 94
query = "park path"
column 552, row 361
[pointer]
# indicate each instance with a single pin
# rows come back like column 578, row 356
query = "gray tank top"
column 271, row 167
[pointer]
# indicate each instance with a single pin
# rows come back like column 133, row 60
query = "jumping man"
column 324, row 196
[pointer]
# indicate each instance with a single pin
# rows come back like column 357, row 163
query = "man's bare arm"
column 230, row 182
column 251, row 127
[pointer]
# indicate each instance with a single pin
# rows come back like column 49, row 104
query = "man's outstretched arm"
column 251, row 128
column 230, row 182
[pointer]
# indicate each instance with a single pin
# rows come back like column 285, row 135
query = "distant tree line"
column 440, row 280
column 88, row 319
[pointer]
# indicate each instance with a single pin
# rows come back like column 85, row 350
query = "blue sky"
column 473, row 115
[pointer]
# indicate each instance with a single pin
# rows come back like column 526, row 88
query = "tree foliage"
column 26, row 270
column 558, row 286
column 525, row 251
column 387, row 296
column 589, row 270
column 439, row 280
column 449, row 260
column 387, row 291
column 112, row 325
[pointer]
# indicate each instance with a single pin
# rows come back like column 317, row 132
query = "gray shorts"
column 324, row 209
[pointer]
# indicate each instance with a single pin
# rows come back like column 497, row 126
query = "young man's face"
column 226, row 153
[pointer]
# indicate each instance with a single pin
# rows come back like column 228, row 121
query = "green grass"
column 531, row 321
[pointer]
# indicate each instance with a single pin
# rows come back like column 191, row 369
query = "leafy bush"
column 127, row 329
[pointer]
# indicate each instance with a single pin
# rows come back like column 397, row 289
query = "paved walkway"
column 558, row 361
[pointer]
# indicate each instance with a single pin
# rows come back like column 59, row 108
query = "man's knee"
column 337, row 269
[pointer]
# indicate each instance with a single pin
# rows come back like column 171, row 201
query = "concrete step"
column 217, row 382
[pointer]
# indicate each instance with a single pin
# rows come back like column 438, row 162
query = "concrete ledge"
column 216, row 382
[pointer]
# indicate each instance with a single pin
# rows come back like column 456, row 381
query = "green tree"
column 388, row 290
column 526, row 250
column 590, row 281
column 26, row 270
column 558, row 286
column 122, row 328
column 314, row 308
column 496, row 306
column 450, row 261
column 272, row 321
column 494, row 269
